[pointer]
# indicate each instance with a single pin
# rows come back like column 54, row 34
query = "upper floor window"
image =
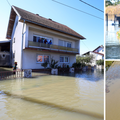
column 42, row 39
column 65, row 43
column 69, row 44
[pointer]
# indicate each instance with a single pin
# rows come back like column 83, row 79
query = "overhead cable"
column 91, row 6
column 77, row 9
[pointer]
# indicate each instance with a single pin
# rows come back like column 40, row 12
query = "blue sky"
column 90, row 27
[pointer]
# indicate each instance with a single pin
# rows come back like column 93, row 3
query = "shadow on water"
column 89, row 75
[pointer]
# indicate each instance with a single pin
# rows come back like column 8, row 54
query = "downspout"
column 22, row 44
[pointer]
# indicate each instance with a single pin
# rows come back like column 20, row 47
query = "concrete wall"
column 30, row 58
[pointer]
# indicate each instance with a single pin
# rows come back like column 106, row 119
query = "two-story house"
column 36, row 40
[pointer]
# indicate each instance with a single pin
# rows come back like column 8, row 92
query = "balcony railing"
column 51, row 47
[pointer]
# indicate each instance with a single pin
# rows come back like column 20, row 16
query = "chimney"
column 37, row 14
column 50, row 19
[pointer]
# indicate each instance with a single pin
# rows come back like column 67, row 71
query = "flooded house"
column 36, row 40
column 98, row 54
column 112, row 37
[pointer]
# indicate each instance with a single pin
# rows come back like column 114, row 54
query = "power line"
column 92, row 6
column 77, row 9
column 85, row 45
column 8, row 3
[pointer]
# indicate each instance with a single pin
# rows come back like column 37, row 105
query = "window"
column 46, row 58
column 64, row 59
column 41, row 39
column 34, row 39
column 65, row 43
column 42, row 58
column 69, row 44
column 13, row 55
column 61, row 42
column 61, row 59
column 14, row 40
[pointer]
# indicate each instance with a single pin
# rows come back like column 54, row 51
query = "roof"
column 101, row 46
column 86, row 53
column 41, row 21
column 112, row 11
column 93, row 52
column 99, row 53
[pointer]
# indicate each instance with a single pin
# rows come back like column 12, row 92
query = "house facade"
column 36, row 40
column 98, row 54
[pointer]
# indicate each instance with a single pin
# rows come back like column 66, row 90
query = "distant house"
column 36, row 40
column 97, row 53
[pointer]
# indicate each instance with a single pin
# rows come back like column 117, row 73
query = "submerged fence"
column 11, row 74
column 21, row 74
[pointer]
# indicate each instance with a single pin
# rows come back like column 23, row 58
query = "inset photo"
column 112, row 35
column 112, row 90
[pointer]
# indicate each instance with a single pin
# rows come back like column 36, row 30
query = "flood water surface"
column 79, row 97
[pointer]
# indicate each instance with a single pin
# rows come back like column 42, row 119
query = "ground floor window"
column 42, row 58
column 64, row 59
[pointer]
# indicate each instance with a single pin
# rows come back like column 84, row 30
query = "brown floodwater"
column 113, row 100
column 79, row 97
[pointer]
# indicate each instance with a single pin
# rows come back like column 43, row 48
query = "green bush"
column 76, row 65
column 100, row 62
column 53, row 63
column 44, row 64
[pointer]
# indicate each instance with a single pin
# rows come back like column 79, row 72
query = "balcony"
column 51, row 47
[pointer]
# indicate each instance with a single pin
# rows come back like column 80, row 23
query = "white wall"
column 96, row 57
column 17, row 36
column 30, row 57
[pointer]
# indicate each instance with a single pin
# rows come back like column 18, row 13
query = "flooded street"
column 75, row 96
column 113, row 96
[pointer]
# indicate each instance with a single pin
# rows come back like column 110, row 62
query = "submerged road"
column 114, row 71
column 112, row 74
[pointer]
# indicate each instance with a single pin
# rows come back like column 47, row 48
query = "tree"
column 108, row 3
column 85, row 59
column 100, row 62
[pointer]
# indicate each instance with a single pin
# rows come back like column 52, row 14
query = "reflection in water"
column 82, row 92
